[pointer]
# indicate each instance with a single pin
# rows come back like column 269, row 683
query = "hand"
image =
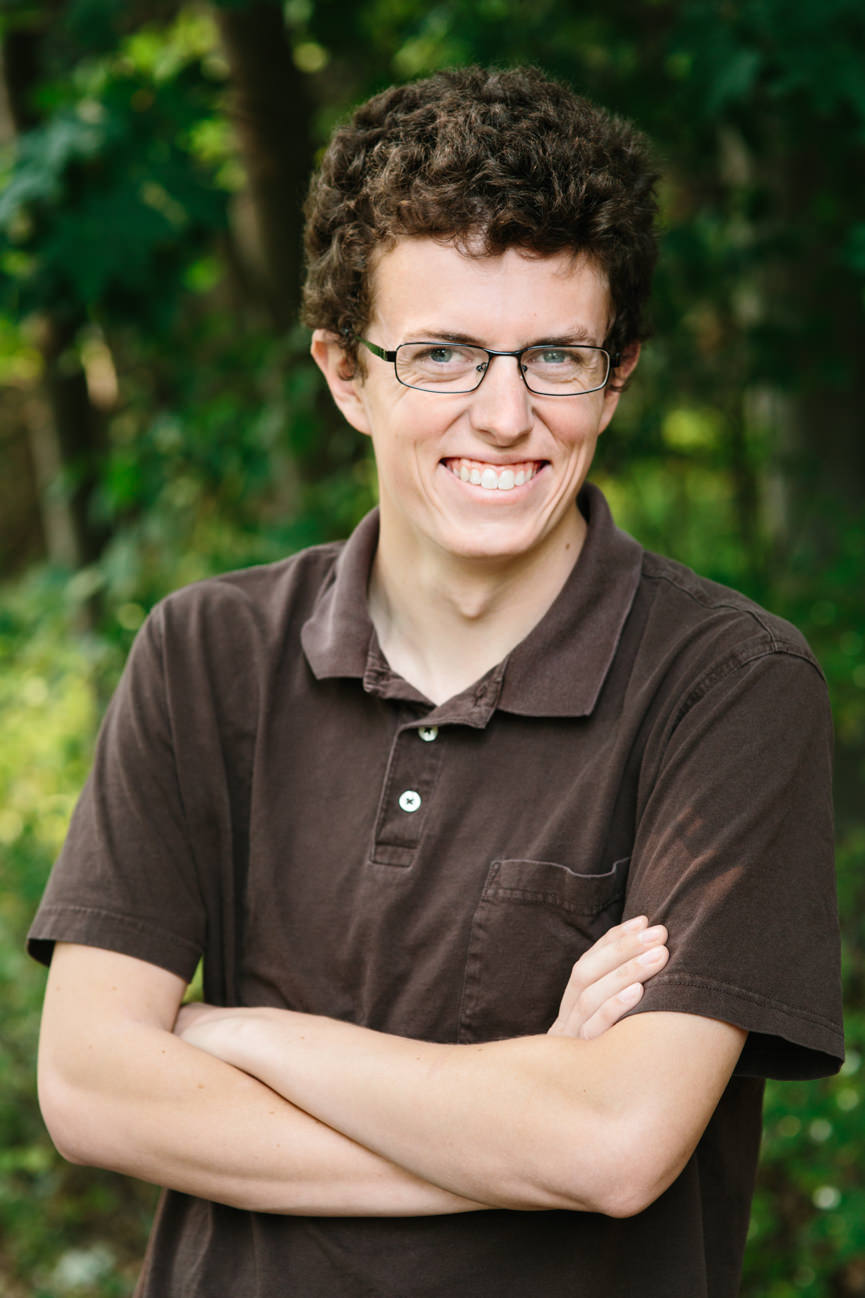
column 607, row 980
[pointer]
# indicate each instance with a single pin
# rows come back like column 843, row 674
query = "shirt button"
column 409, row 800
column 428, row 733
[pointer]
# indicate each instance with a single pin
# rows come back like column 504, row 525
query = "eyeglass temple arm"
column 375, row 349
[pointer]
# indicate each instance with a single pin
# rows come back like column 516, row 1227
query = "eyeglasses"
column 546, row 369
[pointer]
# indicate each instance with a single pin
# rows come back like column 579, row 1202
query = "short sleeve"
column 734, row 853
column 126, row 877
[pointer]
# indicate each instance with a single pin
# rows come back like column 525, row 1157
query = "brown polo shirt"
column 267, row 794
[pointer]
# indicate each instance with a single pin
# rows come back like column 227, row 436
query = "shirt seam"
column 742, row 993
column 734, row 661
column 748, row 609
column 532, row 896
column 100, row 912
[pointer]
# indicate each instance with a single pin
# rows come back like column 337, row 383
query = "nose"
column 501, row 407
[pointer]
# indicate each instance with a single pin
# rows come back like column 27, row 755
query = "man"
column 394, row 791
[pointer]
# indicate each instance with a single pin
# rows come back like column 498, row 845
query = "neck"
column 443, row 621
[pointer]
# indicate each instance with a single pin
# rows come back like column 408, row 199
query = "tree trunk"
column 272, row 113
column 817, row 301
column 67, row 434
column 67, row 446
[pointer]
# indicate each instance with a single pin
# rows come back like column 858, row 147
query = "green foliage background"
column 738, row 449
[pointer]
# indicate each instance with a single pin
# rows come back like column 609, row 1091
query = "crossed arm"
column 285, row 1112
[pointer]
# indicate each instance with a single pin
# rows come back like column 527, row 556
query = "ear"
column 342, row 377
column 623, row 372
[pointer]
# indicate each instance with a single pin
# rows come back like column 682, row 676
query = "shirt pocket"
column 533, row 921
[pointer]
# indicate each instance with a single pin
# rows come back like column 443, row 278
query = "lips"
column 494, row 477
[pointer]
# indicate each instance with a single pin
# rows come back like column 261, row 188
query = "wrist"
column 229, row 1033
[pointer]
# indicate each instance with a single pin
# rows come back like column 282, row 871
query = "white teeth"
column 493, row 479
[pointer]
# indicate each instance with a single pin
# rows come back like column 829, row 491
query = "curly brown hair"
column 488, row 160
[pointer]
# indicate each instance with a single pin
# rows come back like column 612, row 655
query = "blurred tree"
column 103, row 209
column 272, row 111
column 66, row 445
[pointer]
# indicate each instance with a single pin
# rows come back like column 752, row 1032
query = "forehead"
column 422, row 286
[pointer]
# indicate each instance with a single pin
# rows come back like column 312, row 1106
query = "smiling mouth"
column 494, row 477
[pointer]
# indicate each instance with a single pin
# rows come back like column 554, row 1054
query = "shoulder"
column 250, row 604
column 223, row 636
column 712, row 622
column 262, row 590
column 691, row 641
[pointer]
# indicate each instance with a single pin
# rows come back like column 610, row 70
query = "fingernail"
column 633, row 924
column 651, row 957
column 631, row 994
column 654, row 934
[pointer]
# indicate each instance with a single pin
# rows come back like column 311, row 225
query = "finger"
column 618, row 945
column 602, row 1001
column 639, row 969
column 611, row 1011
column 615, row 949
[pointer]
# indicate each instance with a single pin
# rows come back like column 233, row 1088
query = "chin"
column 475, row 545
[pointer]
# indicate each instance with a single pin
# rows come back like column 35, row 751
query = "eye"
column 434, row 358
column 437, row 355
column 434, row 354
column 443, row 366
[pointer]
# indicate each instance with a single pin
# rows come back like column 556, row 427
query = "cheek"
column 575, row 437
column 584, row 431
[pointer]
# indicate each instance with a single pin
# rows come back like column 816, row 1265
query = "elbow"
column 67, row 1151
column 628, row 1197
column 625, row 1176
column 636, row 1186
column 65, row 1116
column 618, row 1193
column 64, row 1140
column 630, row 1181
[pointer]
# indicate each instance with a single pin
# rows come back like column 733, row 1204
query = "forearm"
column 507, row 1123
column 195, row 1124
column 512, row 1123
column 123, row 1093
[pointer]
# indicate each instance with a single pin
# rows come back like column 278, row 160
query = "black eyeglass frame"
column 385, row 355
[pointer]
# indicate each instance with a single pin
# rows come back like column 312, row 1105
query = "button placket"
column 407, row 794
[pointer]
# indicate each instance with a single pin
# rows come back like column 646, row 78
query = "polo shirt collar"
column 338, row 637
column 557, row 670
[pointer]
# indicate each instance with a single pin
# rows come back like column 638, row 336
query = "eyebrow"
column 577, row 335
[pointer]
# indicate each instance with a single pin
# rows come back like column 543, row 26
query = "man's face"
column 427, row 444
